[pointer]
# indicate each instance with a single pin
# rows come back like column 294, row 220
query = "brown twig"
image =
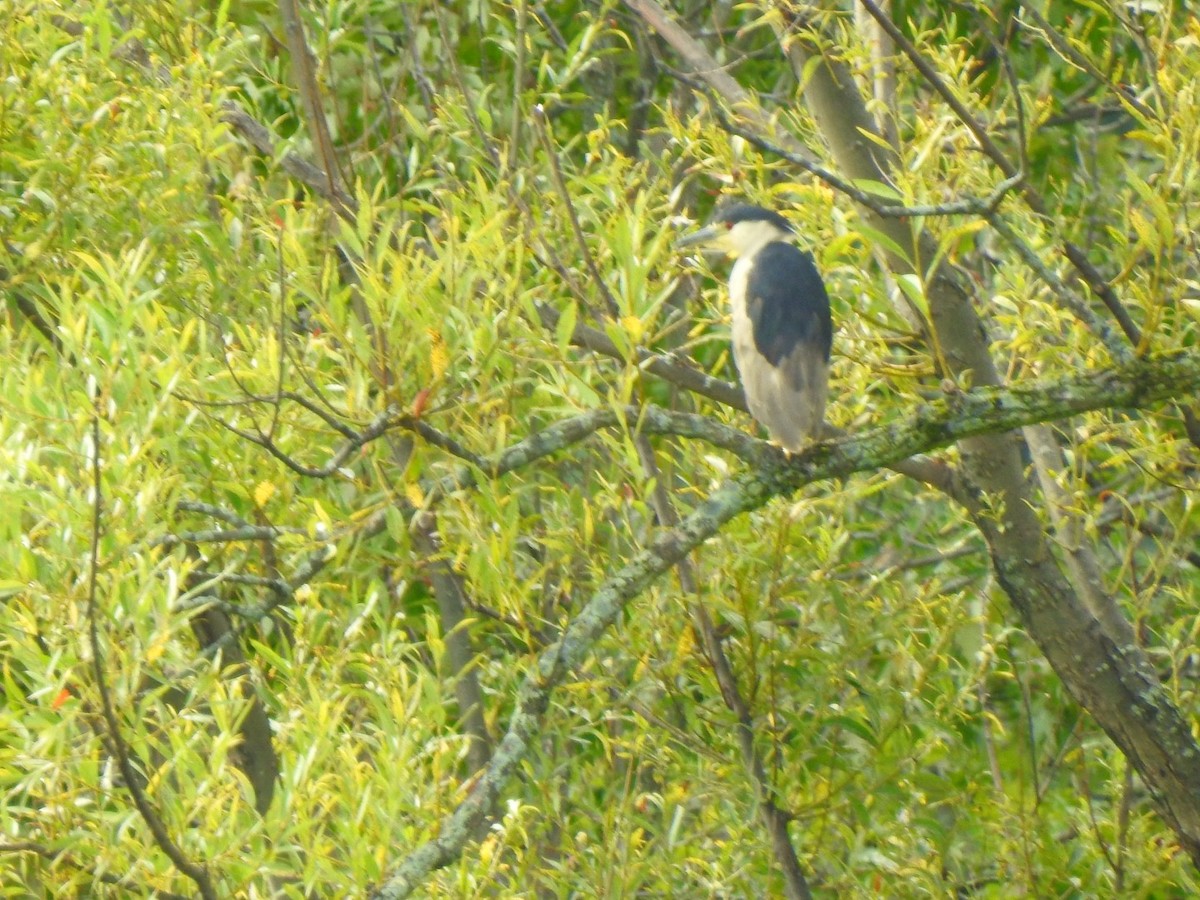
column 1075, row 254
column 665, row 366
column 560, row 183
column 1063, row 48
column 198, row 873
column 966, row 206
column 304, row 68
column 774, row 818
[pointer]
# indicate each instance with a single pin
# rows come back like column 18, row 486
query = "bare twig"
column 304, row 69
column 1075, row 254
column 560, row 183
column 774, row 819
column 1063, row 48
column 668, row 367
column 966, row 206
column 1066, row 297
column 198, row 873
column 386, row 421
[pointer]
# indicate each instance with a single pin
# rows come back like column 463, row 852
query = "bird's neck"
column 747, row 238
column 757, row 242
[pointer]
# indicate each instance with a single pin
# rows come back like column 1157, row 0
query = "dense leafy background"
column 915, row 735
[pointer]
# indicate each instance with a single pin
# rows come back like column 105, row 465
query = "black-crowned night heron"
column 782, row 330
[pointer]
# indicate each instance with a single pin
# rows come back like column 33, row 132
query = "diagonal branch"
column 979, row 412
column 560, row 184
column 304, row 69
column 1109, row 676
column 966, row 206
column 297, row 166
column 1037, row 203
column 668, row 367
column 934, row 425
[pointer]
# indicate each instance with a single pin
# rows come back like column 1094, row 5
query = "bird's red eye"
column 729, row 226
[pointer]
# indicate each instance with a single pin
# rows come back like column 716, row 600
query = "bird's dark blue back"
column 786, row 301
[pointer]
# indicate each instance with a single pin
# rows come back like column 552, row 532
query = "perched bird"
column 782, row 330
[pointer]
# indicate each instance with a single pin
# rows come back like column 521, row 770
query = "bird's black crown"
column 745, row 212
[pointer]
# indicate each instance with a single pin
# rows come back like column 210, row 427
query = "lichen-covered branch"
column 1110, row 676
column 939, row 424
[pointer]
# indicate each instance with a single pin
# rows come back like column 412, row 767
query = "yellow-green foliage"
column 208, row 311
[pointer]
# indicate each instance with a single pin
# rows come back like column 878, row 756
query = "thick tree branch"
column 461, row 654
column 942, row 423
column 256, row 757
column 934, row 425
column 294, row 164
column 1108, row 675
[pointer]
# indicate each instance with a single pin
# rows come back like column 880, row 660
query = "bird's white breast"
column 742, row 327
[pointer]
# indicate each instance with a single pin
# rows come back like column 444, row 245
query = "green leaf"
column 878, row 237
column 854, row 726
column 565, row 327
column 878, row 189
column 914, row 289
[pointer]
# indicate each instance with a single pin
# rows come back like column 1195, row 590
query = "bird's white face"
column 737, row 238
column 745, row 237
